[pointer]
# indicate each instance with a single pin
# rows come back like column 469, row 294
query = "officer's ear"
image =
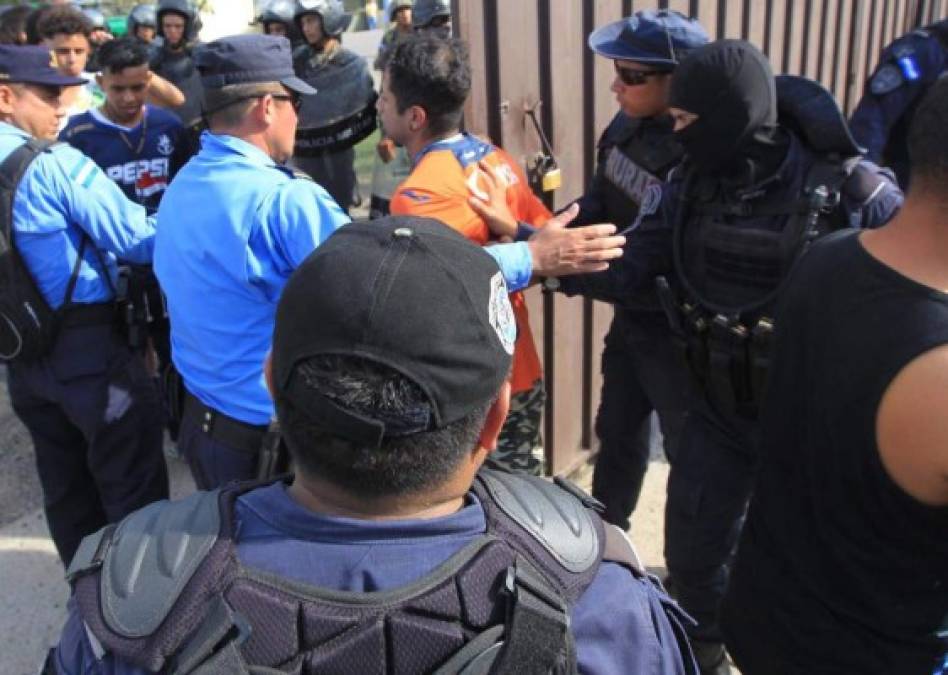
column 496, row 417
column 7, row 99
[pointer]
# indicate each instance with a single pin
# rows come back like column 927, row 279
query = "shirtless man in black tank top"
column 843, row 564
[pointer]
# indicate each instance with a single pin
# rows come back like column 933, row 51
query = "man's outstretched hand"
column 559, row 251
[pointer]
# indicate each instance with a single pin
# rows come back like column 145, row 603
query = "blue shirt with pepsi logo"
column 142, row 159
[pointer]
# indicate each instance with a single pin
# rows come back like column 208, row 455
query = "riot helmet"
column 141, row 16
column 96, row 18
column 192, row 21
column 277, row 11
column 331, row 12
column 426, row 12
column 402, row 4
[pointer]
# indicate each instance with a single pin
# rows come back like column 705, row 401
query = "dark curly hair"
column 409, row 464
column 13, row 25
column 433, row 74
column 928, row 139
column 115, row 56
column 65, row 20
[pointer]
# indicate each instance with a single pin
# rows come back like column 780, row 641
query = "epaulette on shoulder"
column 79, row 128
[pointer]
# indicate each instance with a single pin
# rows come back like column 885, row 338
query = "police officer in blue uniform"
column 641, row 371
column 391, row 550
column 234, row 224
column 907, row 68
column 232, row 227
column 92, row 412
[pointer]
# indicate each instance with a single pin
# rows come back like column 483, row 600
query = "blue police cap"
column 32, row 65
column 246, row 59
column 661, row 38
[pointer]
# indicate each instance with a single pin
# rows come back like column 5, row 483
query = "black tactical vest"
column 634, row 158
column 734, row 255
column 164, row 590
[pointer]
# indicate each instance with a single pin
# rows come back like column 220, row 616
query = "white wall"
column 227, row 17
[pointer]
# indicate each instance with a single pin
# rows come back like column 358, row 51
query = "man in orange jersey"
column 424, row 87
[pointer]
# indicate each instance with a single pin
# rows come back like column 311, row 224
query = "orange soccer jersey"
column 445, row 176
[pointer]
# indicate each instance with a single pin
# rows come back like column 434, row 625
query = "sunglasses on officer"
column 295, row 100
column 634, row 78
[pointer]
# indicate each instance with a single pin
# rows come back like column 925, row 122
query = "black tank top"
column 852, row 569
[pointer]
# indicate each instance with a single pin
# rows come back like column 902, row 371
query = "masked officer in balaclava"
column 762, row 177
column 769, row 165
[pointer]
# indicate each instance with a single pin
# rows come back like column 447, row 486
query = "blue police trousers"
column 642, row 371
column 96, row 422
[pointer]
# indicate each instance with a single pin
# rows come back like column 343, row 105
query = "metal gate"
column 525, row 52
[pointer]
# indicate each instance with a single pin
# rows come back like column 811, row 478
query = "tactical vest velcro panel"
column 515, row 580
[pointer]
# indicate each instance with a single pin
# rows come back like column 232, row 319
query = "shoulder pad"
column 300, row 174
column 78, row 128
column 557, row 519
column 807, row 108
column 152, row 555
column 886, row 79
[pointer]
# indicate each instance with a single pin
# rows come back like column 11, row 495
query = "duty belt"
column 96, row 314
column 223, row 428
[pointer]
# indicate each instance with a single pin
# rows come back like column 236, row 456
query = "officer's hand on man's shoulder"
column 559, row 251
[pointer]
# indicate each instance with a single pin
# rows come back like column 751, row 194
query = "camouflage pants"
column 520, row 447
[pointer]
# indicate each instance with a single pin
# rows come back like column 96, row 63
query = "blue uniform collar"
column 7, row 128
column 274, row 505
column 223, row 144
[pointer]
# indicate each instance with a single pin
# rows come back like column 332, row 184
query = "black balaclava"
column 729, row 84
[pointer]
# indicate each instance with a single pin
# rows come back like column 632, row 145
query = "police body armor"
column 165, row 590
column 732, row 273
column 179, row 69
column 634, row 158
column 343, row 113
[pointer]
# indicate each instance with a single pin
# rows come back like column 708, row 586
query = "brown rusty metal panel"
column 755, row 21
column 568, row 50
column 604, row 100
column 841, row 46
column 707, row 15
column 470, row 23
column 856, row 62
column 811, row 38
column 777, row 30
column 734, row 20
column 796, row 33
column 570, row 405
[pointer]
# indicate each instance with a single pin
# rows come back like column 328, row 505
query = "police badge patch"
column 501, row 314
column 888, row 78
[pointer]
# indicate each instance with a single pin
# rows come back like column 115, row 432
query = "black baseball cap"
column 410, row 294
column 247, row 59
column 32, row 65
